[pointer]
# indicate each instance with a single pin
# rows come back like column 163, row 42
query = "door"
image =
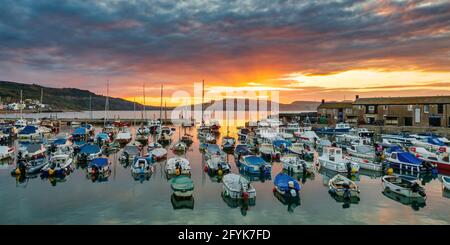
column 408, row 121
column 417, row 115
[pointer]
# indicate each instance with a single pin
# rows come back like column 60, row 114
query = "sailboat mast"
column 144, row 116
column 106, row 104
column 203, row 99
column 160, row 105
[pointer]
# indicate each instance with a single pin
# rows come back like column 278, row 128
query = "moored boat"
column 344, row 187
column 293, row 164
column 237, row 187
column 158, row 154
column 141, row 165
column 252, row 164
column 402, row 186
column 332, row 159
column 178, row 166
column 6, row 152
column 129, row 152
column 182, row 186
column 99, row 166
column 286, row 186
column 217, row 166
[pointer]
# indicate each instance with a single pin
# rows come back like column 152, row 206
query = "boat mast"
column 144, row 116
column 21, row 103
column 203, row 98
column 134, row 111
column 90, row 106
column 42, row 95
column 106, row 103
column 160, row 105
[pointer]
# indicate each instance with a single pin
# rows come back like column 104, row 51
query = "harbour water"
column 122, row 200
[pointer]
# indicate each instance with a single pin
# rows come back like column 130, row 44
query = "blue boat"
column 80, row 134
column 281, row 145
column 286, row 186
column 406, row 161
column 252, row 164
column 98, row 166
column 90, row 151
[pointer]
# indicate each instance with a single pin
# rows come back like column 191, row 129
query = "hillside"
column 64, row 99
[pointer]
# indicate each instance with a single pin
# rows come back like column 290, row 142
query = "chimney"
column 323, row 101
column 357, row 97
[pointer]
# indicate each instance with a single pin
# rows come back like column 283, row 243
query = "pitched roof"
column 335, row 105
column 403, row 100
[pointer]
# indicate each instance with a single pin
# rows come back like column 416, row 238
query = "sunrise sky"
column 306, row 50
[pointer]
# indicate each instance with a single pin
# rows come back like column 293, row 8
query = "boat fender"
column 17, row 171
column 390, row 171
column 274, row 189
column 220, row 172
column 51, row 171
column 245, row 196
column 205, row 169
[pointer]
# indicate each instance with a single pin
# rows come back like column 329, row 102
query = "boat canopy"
column 182, row 183
column 254, row 160
column 99, row 162
column 394, row 148
column 80, row 131
column 34, row 147
column 282, row 182
column 29, row 130
column 90, row 149
column 409, row 158
column 281, row 143
column 435, row 141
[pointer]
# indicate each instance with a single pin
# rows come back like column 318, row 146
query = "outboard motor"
column 416, row 189
column 347, row 194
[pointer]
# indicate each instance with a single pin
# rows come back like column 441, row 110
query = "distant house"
column 426, row 111
column 334, row 112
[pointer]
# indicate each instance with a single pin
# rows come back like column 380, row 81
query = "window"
column 385, row 107
column 371, row 108
column 410, row 107
column 426, row 109
column 440, row 108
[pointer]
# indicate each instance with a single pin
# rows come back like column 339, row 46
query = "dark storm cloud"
column 126, row 37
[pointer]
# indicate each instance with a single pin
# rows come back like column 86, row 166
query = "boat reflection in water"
column 291, row 202
column 328, row 174
column 244, row 205
column 255, row 177
column 141, row 177
column 415, row 202
column 371, row 174
column 98, row 177
column 182, row 202
column 300, row 177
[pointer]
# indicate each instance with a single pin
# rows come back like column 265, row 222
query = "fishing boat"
column 252, row 164
column 141, row 166
column 29, row 133
column 340, row 128
column 129, row 153
column 241, row 150
column 178, row 166
column 99, row 166
column 124, row 136
column 293, row 164
column 158, row 154
column 182, row 186
column 361, row 151
column 179, row 147
column 286, row 186
column 432, row 144
column 406, row 161
column 237, row 187
column 228, row 143
column 442, row 161
column 102, row 139
column 403, row 186
column 28, row 167
column 110, row 129
column 217, row 166
column 20, row 123
column 446, row 183
column 6, row 152
column 268, row 153
column 88, row 152
column 332, row 159
column 343, row 187
column 213, row 150
column 421, row 152
column 364, row 163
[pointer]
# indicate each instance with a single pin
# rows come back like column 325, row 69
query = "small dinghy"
column 403, row 186
column 24, row 167
column 237, row 187
column 254, row 165
column 217, row 166
column 293, row 164
column 141, row 165
column 228, row 143
column 178, row 166
column 343, row 187
column 129, row 152
column 98, row 166
column 286, row 186
column 446, row 182
column 182, row 186
column 158, row 154
column 179, row 147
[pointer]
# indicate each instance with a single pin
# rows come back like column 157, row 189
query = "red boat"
column 441, row 161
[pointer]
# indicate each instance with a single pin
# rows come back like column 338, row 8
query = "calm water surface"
column 122, row 200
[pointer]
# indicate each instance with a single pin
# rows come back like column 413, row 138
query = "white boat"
column 6, row 152
column 59, row 161
column 217, row 166
column 34, row 151
column 369, row 164
column 237, row 187
column 421, row 152
column 124, row 136
column 402, row 186
column 362, row 132
column 344, row 187
column 446, row 182
column 75, row 124
column 21, row 123
column 332, row 159
column 29, row 133
column 308, row 137
column 179, row 147
column 268, row 152
column 296, row 148
column 178, row 166
column 361, row 151
column 442, row 161
column 293, row 164
column 158, row 154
